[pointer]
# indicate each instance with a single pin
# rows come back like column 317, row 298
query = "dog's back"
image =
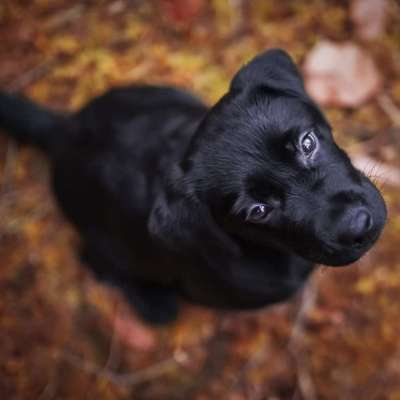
column 117, row 146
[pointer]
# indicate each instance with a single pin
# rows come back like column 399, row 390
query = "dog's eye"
column 308, row 143
column 257, row 212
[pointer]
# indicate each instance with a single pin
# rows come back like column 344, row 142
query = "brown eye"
column 308, row 143
column 257, row 212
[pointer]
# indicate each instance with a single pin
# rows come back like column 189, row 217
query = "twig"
column 388, row 106
column 123, row 379
column 38, row 71
column 393, row 112
column 63, row 17
column 305, row 383
column 49, row 390
column 383, row 172
column 8, row 165
column 31, row 76
column 114, row 356
column 253, row 362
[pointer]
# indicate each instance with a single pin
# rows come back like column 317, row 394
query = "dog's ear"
column 183, row 223
column 273, row 69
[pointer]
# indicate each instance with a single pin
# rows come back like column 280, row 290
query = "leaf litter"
column 64, row 335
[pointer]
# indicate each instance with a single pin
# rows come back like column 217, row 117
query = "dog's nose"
column 358, row 229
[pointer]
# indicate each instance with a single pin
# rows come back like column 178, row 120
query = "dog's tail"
column 27, row 122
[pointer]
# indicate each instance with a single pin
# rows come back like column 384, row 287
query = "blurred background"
column 65, row 336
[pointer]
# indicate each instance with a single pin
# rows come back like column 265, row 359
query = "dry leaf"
column 182, row 11
column 382, row 172
column 369, row 17
column 340, row 74
column 133, row 332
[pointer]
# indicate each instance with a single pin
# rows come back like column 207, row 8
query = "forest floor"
column 63, row 335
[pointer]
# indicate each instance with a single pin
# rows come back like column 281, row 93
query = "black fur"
column 28, row 122
column 163, row 189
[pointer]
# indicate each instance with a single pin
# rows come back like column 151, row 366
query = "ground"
column 65, row 336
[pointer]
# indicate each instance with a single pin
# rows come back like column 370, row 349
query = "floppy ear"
column 182, row 223
column 273, row 69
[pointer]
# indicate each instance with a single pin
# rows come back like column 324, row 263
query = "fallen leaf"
column 133, row 332
column 369, row 17
column 341, row 74
column 182, row 11
column 382, row 172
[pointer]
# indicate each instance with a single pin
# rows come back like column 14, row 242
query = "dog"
column 228, row 207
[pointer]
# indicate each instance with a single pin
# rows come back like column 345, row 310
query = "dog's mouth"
column 343, row 240
column 338, row 255
column 315, row 249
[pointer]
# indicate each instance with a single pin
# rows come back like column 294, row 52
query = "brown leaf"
column 382, row 172
column 133, row 332
column 181, row 11
column 369, row 17
column 341, row 74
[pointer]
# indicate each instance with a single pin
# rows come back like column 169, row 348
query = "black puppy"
column 227, row 207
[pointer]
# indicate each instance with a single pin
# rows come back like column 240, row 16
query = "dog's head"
column 264, row 168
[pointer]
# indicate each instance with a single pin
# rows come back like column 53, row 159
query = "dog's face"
column 288, row 184
column 266, row 167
